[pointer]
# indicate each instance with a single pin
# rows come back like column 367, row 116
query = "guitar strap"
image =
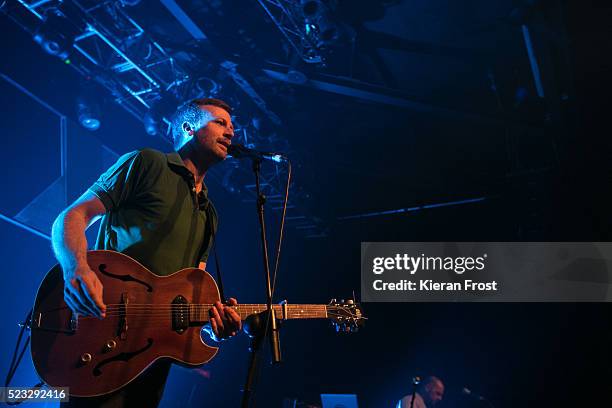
column 213, row 233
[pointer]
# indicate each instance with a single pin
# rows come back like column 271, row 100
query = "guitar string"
column 157, row 323
column 195, row 315
column 200, row 308
column 168, row 312
column 197, row 311
column 206, row 311
column 211, row 304
column 169, row 316
column 166, row 322
column 245, row 309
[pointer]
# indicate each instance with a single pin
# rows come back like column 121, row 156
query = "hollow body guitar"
column 148, row 317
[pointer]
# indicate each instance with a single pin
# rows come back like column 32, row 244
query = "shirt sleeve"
column 118, row 184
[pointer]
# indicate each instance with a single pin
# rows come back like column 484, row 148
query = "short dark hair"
column 214, row 102
column 191, row 112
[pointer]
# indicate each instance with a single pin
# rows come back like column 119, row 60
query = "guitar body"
column 97, row 356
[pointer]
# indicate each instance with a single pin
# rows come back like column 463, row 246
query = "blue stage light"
column 151, row 124
column 87, row 116
column 50, row 36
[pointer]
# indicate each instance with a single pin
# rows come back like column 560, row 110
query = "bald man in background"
column 429, row 393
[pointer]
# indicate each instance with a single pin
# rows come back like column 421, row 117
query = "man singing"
column 154, row 208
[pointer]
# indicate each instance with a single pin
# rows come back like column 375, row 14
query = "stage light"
column 151, row 123
column 318, row 22
column 50, row 36
column 53, row 43
column 88, row 115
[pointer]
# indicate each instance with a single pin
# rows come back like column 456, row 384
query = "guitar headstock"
column 346, row 315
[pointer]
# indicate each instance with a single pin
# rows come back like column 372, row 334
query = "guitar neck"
column 199, row 312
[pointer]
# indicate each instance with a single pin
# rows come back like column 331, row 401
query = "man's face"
column 434, row 392
column 215, row 136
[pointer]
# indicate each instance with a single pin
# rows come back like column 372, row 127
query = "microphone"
column 238, row 151
column 467, row 392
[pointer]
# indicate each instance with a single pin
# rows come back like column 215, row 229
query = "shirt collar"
column 175, row 160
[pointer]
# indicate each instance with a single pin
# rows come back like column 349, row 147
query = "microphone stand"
column 254, row 326
column 415, row 383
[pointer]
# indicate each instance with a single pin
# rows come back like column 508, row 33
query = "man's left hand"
column 225, row 322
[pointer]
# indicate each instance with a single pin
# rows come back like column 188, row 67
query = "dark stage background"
column 419, row 103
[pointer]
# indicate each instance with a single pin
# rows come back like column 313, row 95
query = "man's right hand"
column 83, row 292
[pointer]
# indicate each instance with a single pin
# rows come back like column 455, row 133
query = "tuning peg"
column 333, row 301
column 350, row 302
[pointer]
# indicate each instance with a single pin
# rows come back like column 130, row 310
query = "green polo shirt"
column 153, row 213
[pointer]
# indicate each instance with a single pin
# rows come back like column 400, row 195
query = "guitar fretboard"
column 199, row 312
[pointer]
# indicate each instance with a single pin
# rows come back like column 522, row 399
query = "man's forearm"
column 68, row 239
